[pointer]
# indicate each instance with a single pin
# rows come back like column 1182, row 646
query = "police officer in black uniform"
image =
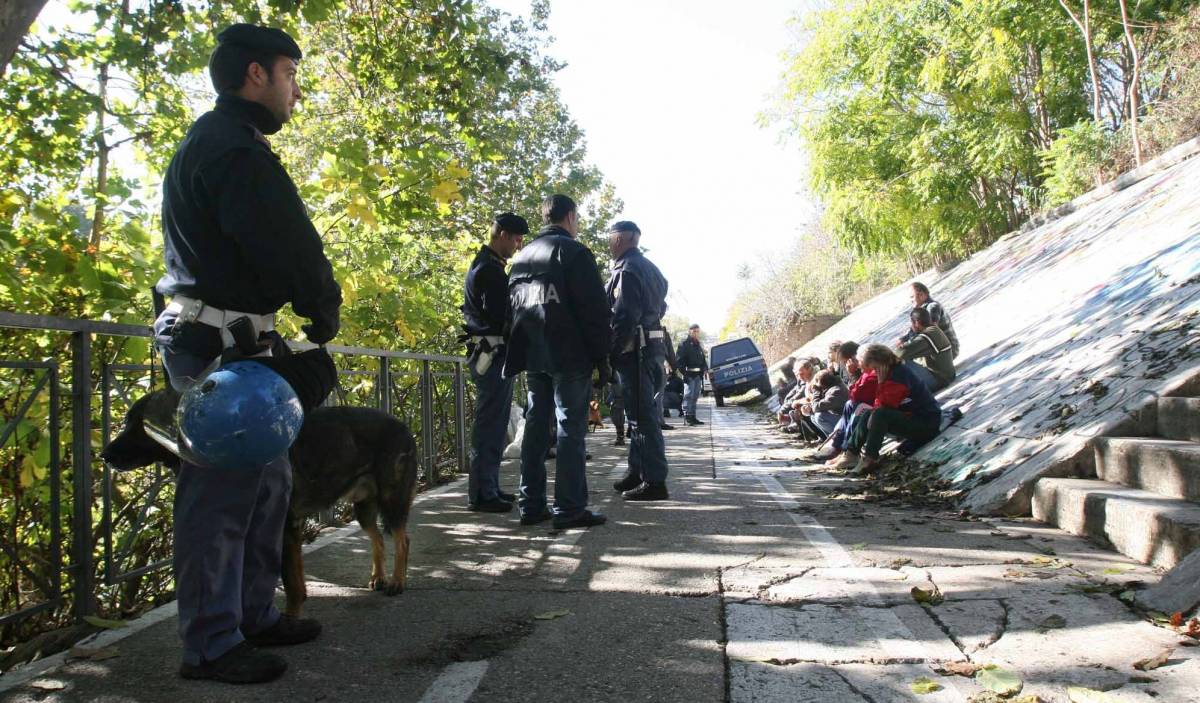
column 238, row 246
column 485, row 309
column 560, row 333
column 637, row 292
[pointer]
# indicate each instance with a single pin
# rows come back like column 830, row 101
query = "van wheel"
column 718, row 399
column 765, row 389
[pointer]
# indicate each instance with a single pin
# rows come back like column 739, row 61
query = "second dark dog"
column 364, row 455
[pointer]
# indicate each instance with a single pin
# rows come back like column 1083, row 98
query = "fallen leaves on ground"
column 104, row 622
column 991, row 697
column 924, row 597
column 1001, row 681
column 47, row 684
column 552, row 614
column 924, row 685
column 1155, row 661
column 1176, row 619
column 967, row 669
column 95, row 654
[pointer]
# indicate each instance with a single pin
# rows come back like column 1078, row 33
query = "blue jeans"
column 565, row 396
column 647, row 452
column 228, row 538
column 493, row 402
column 695, row 386
column 841, row 431
column 826, row 421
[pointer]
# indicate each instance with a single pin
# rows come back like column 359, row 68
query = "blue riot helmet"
column 242, row 415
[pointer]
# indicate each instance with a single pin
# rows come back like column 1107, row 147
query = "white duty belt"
column 193, row 310
column 641, row 338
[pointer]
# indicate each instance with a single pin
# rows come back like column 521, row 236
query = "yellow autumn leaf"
column 446, row 192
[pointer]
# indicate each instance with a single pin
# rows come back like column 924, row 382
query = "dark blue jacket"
column 637, row 292
column 905, row 391
column 560, row 316
column 485, row 295
column 235, row 232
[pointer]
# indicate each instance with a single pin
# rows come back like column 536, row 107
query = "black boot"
column 629, row 481
column 287, row 630
column 647, row 491
column 242, row 664
column 692, row 420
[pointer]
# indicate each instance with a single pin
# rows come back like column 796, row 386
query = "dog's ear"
column 133, row 448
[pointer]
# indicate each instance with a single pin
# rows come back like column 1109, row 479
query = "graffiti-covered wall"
column 1064, row 329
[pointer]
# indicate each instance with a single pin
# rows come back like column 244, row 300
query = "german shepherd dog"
column 362, row 454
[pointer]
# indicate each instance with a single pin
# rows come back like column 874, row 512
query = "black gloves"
column 321, row 331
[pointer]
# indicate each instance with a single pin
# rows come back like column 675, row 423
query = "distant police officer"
column 485, row 310
column 236, row 238
column 637, row 292
column 560, row 333
column 691, row 358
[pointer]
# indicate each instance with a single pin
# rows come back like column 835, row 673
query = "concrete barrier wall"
column 1066, row 327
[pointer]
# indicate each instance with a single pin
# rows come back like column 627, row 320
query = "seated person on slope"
column 904, row 407
column 861, row 392
column 829, row 397
column 937, row 315
column 929, row 346
column 831, row 357
column 803, row 370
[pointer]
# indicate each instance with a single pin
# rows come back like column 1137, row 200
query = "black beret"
column 256, row 38
column 512, row 223
column 625, row 226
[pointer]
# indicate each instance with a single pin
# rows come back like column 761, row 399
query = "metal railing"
column 114, row 529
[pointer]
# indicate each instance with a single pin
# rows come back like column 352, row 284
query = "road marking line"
column 456, row 683
column 25, row 673
column 901, row 642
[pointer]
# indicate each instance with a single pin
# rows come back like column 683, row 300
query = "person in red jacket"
column 862, row 395
column 904, row 406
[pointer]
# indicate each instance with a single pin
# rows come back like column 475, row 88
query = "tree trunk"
column 103, row 148
column 1133, row 85
column 15, row 18
column 1085, row 27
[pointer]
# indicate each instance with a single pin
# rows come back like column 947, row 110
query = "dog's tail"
column 397, row 469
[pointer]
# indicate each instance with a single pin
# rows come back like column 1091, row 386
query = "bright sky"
column 668, row 93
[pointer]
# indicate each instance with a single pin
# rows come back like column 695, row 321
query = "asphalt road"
column 762, row 579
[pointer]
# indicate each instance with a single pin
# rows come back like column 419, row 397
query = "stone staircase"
column 1145, row 499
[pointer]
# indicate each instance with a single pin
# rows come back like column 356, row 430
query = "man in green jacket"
column 929, row 345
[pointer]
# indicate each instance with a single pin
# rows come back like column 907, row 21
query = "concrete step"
column 1140, row 524
column 1179, row 418
column 1169, row 467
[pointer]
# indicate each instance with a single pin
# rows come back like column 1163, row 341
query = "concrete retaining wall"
column 1068, row 327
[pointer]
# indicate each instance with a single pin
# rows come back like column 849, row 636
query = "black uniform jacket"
column 690, row 355
column 485, row 295
column 235, row 231
column 560, row 318
column 637, row 292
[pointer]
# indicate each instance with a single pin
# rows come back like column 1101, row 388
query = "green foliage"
column 924, row 121
column 1073, row 164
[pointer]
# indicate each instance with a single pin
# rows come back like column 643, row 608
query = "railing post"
column 385, row 385
column 427, row 423
column 81, row 455
column 460, row 419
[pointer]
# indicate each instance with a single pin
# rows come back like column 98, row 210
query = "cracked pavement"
column 773, row 581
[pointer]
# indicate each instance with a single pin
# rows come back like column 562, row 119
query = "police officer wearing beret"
column 559, row 334
column 485, row 309
column 238, row 246
column 637, row 292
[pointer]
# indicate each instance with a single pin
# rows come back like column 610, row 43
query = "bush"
column 1076, row 161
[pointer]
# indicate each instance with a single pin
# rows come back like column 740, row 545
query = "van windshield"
column 733, row 351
